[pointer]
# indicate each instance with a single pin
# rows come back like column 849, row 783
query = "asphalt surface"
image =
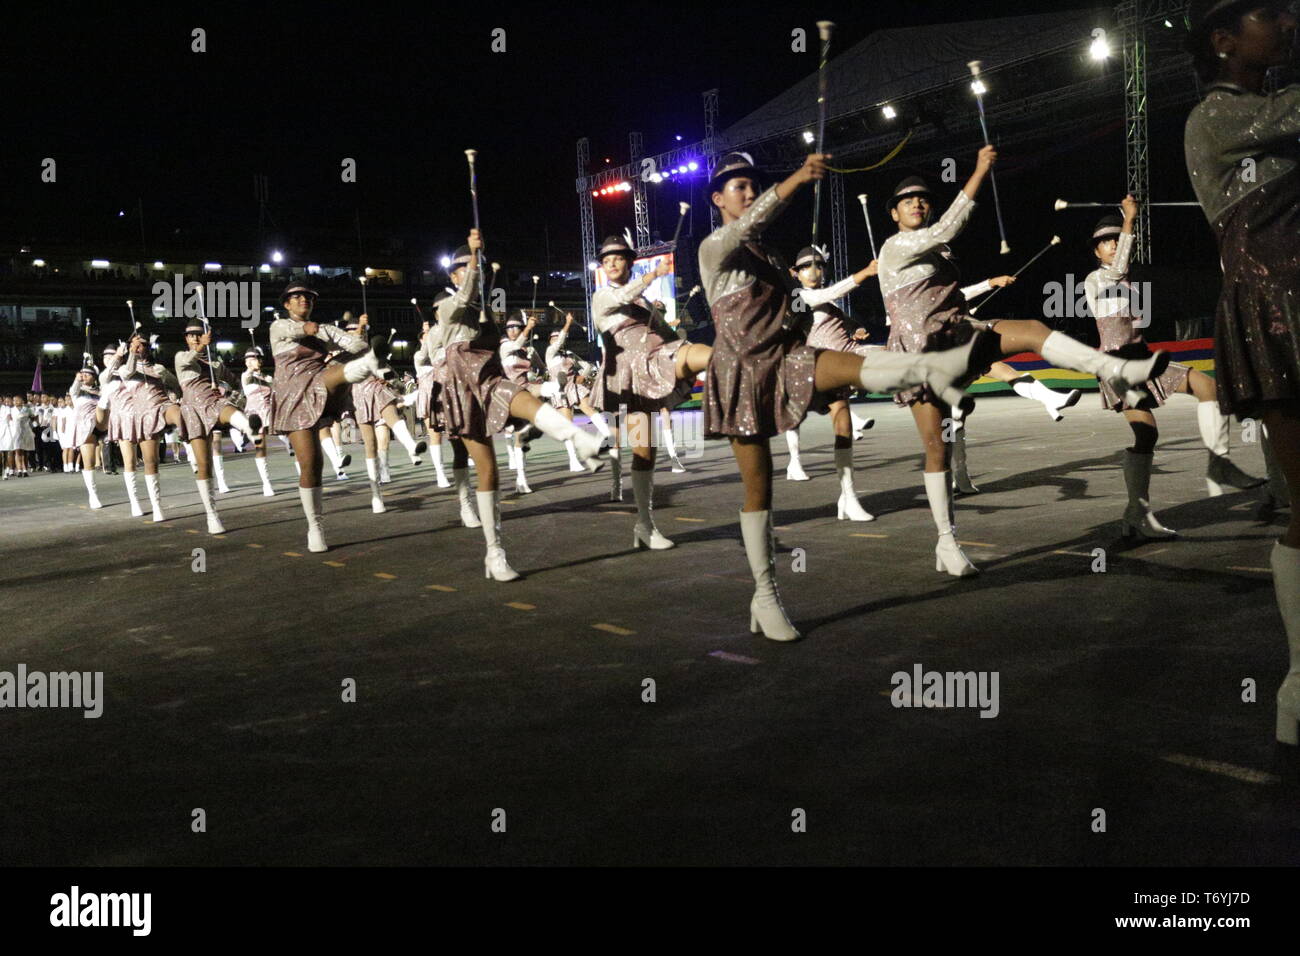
column 476, row 701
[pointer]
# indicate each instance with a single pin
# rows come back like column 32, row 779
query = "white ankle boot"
column 205, row 495
column 948, row 555
column 495, row 565
column 314, row 509
column 132, row 494
column 1029, row 387
column 860, row 425
column 670, row 446
column 766, row 615
column 1125, row 376
column 89, row 478
column 376, row 496
column 794, row 469
column 848, row 505
column 644, row 532
column 586, row 449
column 1139, row 521
column 1221, row 470
column 1286, row 583
column 460, row 477
column 151, row 486
column 264, row 473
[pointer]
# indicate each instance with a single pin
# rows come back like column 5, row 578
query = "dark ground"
column 1119, row 690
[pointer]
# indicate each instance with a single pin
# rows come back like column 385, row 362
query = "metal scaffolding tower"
column 711, row 146
column 588, row 217
column 1132, row 16
column 839, row 264
column 640, row 208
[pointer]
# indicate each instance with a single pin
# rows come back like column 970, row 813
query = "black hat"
column 911, row 186
column 89, row 371
column 615, row 245
column 807, row 256
column 732, row 164
column 1108, row 227
column 460, row 258
column 1204, row 15
column 514, row 322
column 294, row 287
column 253, row 351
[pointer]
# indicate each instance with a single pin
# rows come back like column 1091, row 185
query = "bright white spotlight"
column 265, row 267
column 978, row 88
column 889, row 111
column 1099, row 49
column 225, row 345
column 445, row 262
column 38, row 263
column 808, row 136
column 277, row 257
column 99, row 263
column 52, row 347
column 212, row 267
column 313, row 270
column 157, row 264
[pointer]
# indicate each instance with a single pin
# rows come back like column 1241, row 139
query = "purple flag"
column 36, row 379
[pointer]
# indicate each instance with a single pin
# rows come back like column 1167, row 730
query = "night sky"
column 118, row 99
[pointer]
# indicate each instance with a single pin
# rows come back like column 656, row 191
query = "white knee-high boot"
column 264, row 472
column 189, row 456
column 1123, row 375
column 948, row 555
column 337, row 460
column 313, row 508
column 1221, row 470
column 585, row 449
column 766, row 615
column 945, row 372
column 848, row 505
column 376, row 496
column 205, row 495
column 435, row 452
column 602, row 427
column 616, row 472
column 460, row 477
column 1139, row 521
column 666, row 430
column 574, row 464
column 151, row 486
column 512, row 455
column 414, row 449
column 960, row 475
column 1286, row 584
column 385, row 477
column 644, row 532
column 288, row 445
column 219, row 469
column 1026, row 386
column 132, row 494
column 495, row 565
column 88, row 476
column 521, row 473
column 247, row 426
column 794, row 470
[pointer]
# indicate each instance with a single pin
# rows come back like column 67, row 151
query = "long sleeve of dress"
column 912, row 245
column 1105, row 277
column 979, row 288
column 815, row 297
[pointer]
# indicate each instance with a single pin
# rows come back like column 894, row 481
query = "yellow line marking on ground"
column 385, row 577
column 256, row 546
column 190, row 531
column 1234, row 567
column 863, row 534
column 1244, row 774
column 1152, row 554
column 335, row 564
column 521, row 606
column 977, row 544
column 292, row 554
column 695, row 520
column 613, row 629
column 438, row 587
column 1077, row 554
